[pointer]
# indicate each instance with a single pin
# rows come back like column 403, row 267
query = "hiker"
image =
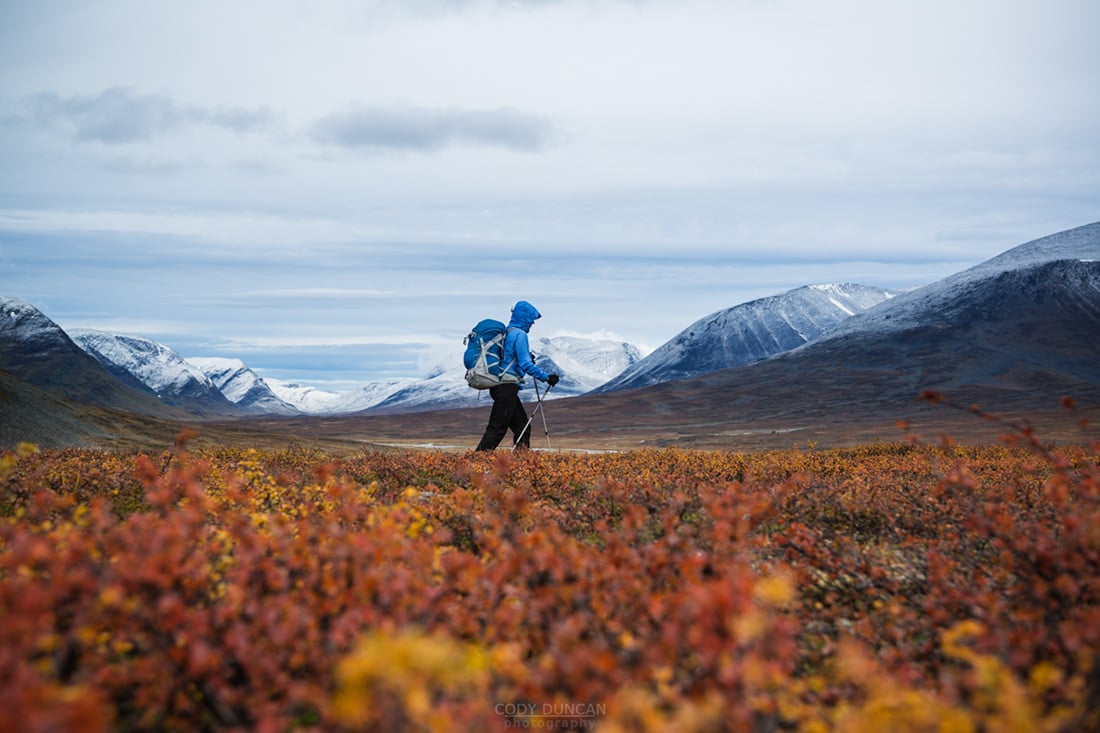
column 507, row 409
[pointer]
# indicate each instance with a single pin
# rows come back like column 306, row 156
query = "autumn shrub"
column 905, row 586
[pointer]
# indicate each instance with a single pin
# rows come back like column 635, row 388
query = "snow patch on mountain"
column 21, row 322
column 586, row 363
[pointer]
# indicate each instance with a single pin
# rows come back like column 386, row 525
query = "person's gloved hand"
column 552, row 379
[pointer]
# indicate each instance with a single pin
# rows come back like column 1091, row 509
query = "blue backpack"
column 484, row 355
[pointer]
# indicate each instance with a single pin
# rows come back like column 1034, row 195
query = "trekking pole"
column 545, row 427
column 532, row 418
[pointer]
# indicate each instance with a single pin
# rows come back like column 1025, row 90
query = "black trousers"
column 507, row 413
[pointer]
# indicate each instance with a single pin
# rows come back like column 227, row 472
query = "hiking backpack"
column 485, row 354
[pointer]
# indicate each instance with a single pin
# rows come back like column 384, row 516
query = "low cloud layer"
column 420, row 128
column 121, row 115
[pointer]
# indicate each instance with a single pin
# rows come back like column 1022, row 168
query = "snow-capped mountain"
column 28, row 339
column 442, row 387
column 314, row 401
column 1020, row 328
column 155, row 365
column 750, row 332
column 585, row 363
column 242, row 386
column 303, row 397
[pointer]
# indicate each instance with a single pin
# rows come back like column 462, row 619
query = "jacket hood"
column 523, row 315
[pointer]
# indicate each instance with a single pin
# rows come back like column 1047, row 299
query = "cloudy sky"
column 336, row 190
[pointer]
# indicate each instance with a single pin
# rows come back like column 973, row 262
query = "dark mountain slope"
column 1019, row 339
column 34, row 415
column 35, row 350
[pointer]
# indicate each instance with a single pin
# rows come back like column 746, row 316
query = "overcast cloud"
column 336, row 190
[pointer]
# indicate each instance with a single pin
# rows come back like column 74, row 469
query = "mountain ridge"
column 159, row 368
column 1072, row 244
column 242, row 386
column 750, row 332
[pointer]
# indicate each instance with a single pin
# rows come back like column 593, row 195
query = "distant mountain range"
column 226, row 386
column 39, row 351
column 1020, row 328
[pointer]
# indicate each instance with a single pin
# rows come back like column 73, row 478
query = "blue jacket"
column 517, row 350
